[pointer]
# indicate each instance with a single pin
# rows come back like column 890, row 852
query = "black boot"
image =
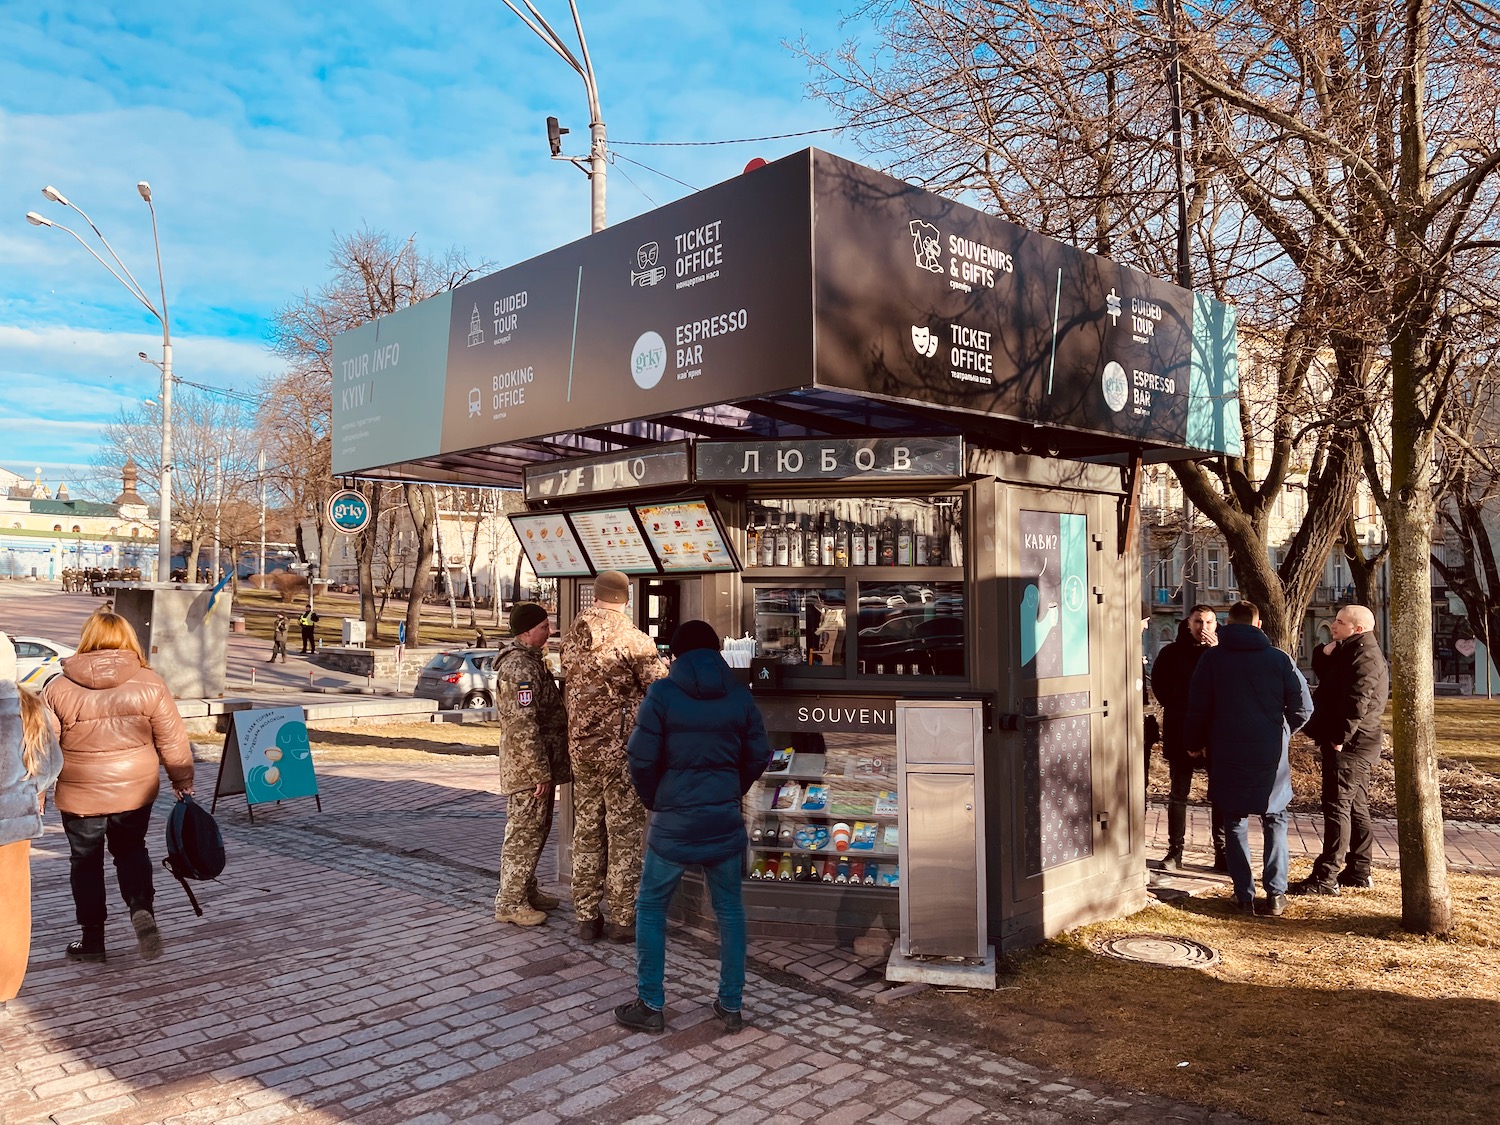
column 1176, row 833
column 90, row 947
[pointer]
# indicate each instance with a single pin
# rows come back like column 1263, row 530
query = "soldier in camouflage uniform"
column 607, row 666
column 533, row 758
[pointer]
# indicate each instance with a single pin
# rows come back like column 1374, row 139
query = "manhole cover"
column 1159, row 949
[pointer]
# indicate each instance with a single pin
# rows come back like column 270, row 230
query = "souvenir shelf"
column 825, row 813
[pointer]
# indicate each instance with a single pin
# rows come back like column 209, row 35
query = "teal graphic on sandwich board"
column 268, row 757
column 1054, row 612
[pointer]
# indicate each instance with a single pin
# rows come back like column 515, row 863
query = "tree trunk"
column 421, row 501
column 364, row 554
column 442, row 561
column 1426, row 906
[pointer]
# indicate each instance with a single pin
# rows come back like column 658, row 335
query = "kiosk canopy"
column 811, row 297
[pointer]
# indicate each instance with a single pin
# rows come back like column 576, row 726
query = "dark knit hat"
column 611, row 586
column 525, row 616
column 692, row 635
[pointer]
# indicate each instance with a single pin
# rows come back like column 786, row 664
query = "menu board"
column 613, row 540
column 550, row 546
column 686, row 536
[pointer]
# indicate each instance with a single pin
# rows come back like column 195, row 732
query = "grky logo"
column 1116, row 390
column 927, row 245
column 648, row 360
column 647, row 272
column 924, row 340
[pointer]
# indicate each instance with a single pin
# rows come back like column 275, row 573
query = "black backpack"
column 195, row 849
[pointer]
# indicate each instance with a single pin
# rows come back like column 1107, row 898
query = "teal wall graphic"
column 1053, row 565
column 268, row 757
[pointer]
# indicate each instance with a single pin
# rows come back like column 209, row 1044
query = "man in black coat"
column 1170, row 677
column 1247, row 699
column 1348, row 703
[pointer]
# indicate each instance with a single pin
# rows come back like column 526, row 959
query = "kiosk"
column 888, row 446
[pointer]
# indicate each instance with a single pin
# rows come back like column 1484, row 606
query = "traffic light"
column 555, row 136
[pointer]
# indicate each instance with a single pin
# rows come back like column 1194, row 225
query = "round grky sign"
column 348, row 511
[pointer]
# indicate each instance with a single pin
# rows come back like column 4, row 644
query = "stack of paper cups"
column 841, row 837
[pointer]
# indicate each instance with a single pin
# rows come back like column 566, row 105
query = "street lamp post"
column 164, row 530
column 584, row 70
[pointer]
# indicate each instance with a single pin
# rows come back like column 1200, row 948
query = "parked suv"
column 459, row 678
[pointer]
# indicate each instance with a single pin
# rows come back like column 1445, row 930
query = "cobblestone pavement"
column 347, row 969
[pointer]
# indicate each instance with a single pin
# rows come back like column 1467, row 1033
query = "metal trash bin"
column 354, row 632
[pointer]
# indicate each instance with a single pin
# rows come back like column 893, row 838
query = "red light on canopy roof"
column 757, row 162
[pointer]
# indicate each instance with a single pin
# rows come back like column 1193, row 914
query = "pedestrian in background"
column 278, row 639
column 309, row 623
column 1170, row 677
column 698, row 746
column 533, row 759
column 119, row 726
column 1245, row 701
column 30, row 760
column 1348, row 705
column 607, row 666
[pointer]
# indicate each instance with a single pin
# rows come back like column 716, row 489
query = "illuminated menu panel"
column 550, row 546
column 686, row 536
column 613, row 541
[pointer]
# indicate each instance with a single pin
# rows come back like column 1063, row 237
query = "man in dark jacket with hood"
column 1170, row 677
column 1353, row 683
column 698, row 746
column 1245, row 701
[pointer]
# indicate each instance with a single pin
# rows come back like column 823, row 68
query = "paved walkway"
column 347, row 969
column 1471, row 846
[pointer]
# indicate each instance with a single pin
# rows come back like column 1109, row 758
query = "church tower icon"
column 476, row 332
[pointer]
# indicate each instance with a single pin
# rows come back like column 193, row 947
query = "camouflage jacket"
column 533, row 721
column 607, row 666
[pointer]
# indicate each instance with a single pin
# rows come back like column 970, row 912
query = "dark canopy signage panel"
column 975, row 313
column 697, row 303
column 842, row 459
column 713, row 299
column 583, row 476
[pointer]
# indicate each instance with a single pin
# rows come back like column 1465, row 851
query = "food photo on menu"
column 685, row 536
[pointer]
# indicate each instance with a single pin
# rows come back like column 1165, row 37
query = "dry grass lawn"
column 259, row 609
column 1330, row 1013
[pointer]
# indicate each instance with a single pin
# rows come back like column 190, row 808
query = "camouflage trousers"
column 528, row 820
column 609, row 839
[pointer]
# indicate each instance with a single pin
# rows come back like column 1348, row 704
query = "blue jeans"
column 659, row 879
column 1274, row 857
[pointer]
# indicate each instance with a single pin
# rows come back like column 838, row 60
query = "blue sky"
column 265, row 130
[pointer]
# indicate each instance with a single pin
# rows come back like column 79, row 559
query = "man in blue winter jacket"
column 1245, row 700
column 698, row 746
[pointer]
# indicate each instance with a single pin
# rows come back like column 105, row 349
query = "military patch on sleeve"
column 523, row 693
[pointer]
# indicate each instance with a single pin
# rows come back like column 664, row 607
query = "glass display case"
column 826, row 812
column 897, row 564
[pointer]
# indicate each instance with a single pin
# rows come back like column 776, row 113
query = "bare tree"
column 371, row 275
column 1347, row 213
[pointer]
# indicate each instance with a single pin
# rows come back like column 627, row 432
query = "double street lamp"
column 164, row 530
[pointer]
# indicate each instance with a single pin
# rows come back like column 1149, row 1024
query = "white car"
column 38, row 660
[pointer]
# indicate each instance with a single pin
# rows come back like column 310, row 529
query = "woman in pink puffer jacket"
column 119, row 726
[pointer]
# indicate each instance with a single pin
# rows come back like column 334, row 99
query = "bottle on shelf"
column 783, row 542
column 840, row 543
column 872, row 546
column 752, row 543
column 825, row 540
column 903, row 544
column 784, row 868
column 857, row 554
column 758, row 868
column 797, row 548
column 830, row 870
column 919, row 545
column 886, row 544
column 768, row 543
